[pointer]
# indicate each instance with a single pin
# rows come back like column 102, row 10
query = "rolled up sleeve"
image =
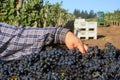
column 60, row 35
column 18, row 41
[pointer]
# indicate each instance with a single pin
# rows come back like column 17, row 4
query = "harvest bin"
column 85, row 30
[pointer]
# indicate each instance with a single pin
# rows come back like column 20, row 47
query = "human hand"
column 72, row 41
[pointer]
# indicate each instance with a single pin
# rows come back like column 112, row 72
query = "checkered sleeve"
column 18, row 41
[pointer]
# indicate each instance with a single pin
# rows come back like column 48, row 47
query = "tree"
column 33, row 13
column 76, row 13
column 84, row 14
column 91, row 14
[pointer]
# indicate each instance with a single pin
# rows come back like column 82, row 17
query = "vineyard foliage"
column 33, row 13
column 110, row 17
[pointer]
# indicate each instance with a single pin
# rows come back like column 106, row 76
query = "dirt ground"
column 106, row 34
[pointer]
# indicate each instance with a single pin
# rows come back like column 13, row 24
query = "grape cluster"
column 63, row 64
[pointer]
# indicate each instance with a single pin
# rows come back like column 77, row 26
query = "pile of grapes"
column 63, row 64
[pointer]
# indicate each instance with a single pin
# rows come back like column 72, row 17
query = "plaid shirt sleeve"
column 18, row 41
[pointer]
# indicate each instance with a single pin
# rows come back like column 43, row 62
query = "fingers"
column 72, row 41
column 83, row 49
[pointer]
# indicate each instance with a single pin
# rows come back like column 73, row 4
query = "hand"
column 72, row 41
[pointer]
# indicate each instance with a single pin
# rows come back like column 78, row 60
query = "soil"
column 106, row 34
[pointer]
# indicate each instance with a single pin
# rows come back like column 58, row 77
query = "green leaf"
column 11, row 17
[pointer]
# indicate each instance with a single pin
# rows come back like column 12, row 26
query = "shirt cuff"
column 60, row 35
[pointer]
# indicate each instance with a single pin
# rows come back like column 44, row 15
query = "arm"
column 16, row 42
column 64, row 36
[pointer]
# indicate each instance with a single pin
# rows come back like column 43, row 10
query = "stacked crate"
column 85, row 30
column 77, row 24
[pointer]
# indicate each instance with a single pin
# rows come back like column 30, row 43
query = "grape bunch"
column 64, row 64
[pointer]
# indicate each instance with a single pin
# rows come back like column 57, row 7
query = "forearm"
column 60, row 35
column 49, row 35
column 16, row 42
